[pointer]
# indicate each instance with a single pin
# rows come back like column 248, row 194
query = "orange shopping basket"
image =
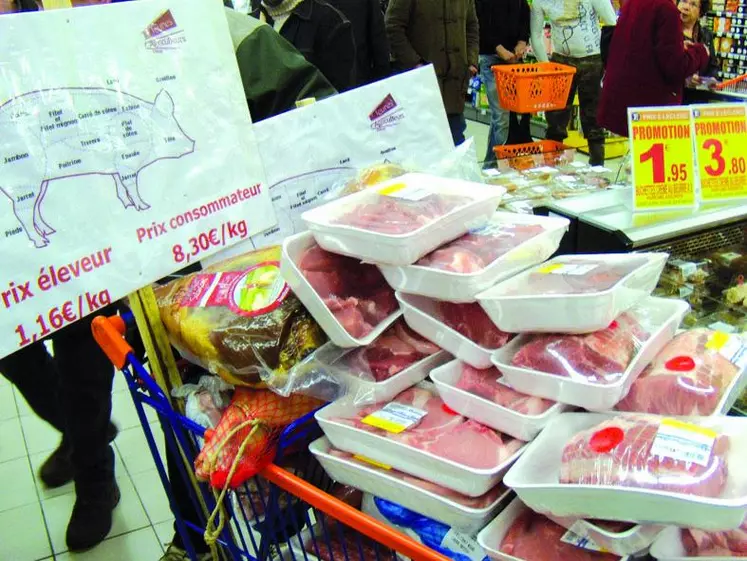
column 736, row 85
column 531, row 154
column 528, row 88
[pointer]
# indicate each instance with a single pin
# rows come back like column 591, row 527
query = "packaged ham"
column 634, row 467
column 692, row 375
column 350, row 300
column 418, row 434
column 461, row 329
column 596, row 370
column 519, row 534
column 402, row 220
column 468, row 514
column 484, row 396
column 572, row 293
column 459, row 270
column 679, row 544
column 621, row 538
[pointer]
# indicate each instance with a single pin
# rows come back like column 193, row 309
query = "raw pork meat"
column 480, row 502
column 534, row 537
column 733, row 543
column 444, row 433
column 475, row 251
column 356, row 293
column 600, row 357
column 471, row 321
column 597, row 276
column 485, row 384
column 395, row 216
column 395, row 350
column 618, row 452
column 685, row 378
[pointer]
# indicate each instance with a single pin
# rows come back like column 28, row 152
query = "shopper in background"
column 445, row 34
column 648, row 62
column 691, row 11
column 319, row 31
column 369, row 33
column 504, row 35
column 576, row 37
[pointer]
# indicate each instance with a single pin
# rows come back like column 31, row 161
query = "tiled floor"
column 33, row 519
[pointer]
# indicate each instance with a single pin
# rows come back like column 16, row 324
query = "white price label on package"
column 683, row 441
column 407, row 192
column 395, row 417
column 577, row 536
column 575, row 269
column 731, row 347
column 459, row 542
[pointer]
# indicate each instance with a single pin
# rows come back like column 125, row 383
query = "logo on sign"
column 386, row 114
column 163, row 33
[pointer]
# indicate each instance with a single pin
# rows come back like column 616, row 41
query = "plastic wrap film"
column 648, row 452
column 732, row 543
column 238, row 318
column 206, row 400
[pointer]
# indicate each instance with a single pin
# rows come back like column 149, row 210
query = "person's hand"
column 505, row 54
column 473, row 69
column 696, row 80
column 521, row 49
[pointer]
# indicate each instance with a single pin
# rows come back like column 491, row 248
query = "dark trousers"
column 72, row 392
column 457, row 126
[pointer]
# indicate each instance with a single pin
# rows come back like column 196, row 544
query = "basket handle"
column 109, row 334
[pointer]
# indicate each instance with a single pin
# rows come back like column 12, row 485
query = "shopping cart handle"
column 109, row 334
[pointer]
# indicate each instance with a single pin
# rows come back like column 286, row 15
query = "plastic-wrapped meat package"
column 471, row 321
column 442, row 432
column 396, row 215
column 600, row 357
column 478, row 249
column 648, row 452
column 534, row 537
column 688, row 378
column 488, row 385
column 356, row 293
column 480, row 502
column 732, row 543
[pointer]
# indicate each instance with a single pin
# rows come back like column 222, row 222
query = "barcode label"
column 395, row 417
column 576, row 269
column 683, row 441
column 407, row 192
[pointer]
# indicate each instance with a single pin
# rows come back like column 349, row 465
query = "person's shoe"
column 596, row 153
column 57, row 470
column 174, row 553
column 91, row 520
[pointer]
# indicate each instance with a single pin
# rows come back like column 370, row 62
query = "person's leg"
column 589, row 89
column 557, row 121
column 499, row 117
column 457, row 125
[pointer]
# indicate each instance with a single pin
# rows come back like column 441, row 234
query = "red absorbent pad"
column 261, row 411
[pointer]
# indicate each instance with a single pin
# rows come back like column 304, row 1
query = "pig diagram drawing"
column 75, row 132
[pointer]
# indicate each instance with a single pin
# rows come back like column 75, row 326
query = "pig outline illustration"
column 156, row 119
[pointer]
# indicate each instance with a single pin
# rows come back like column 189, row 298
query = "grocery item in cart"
column 471, row 321
column 354, row 292
column 489, row 384
column 732, row 543
column 690, row 376
column 239, row 318
column 572, row 293
column 648, row 451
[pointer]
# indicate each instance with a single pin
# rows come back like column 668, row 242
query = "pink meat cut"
column 485, row 383
column 395, row 350
column 471, row 321
column 685, row 378
column 356, row 293
column 480, row 502
column 600, row 357
column 618, row 452
column 392, row 215
column 533, row 537
column 475, row 251
column 602, row 277
column 443, row 433
column 732, row 543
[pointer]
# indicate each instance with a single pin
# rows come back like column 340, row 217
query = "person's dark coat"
column 648, row 62
column 324, row 36
column 502, row 22
column 445, row 34
column 705, row 37
column 371, row 44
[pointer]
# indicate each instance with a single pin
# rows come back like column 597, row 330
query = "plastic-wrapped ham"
column 687, row 377
column 442, row 432
column 478, row 249
column 649, row 452
column 732, row 543
column 356, row 293
column 600, row 357
column 487, row 384
column 471, row 321
column 480, row 502
column 534, row 537
column 395, row 215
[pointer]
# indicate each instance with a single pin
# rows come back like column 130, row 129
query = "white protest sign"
column 126, row 152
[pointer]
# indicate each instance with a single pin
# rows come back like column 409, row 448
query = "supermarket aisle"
column 33, row 520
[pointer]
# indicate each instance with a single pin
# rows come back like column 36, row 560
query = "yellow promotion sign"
column 721, row 141
column 663, row 166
